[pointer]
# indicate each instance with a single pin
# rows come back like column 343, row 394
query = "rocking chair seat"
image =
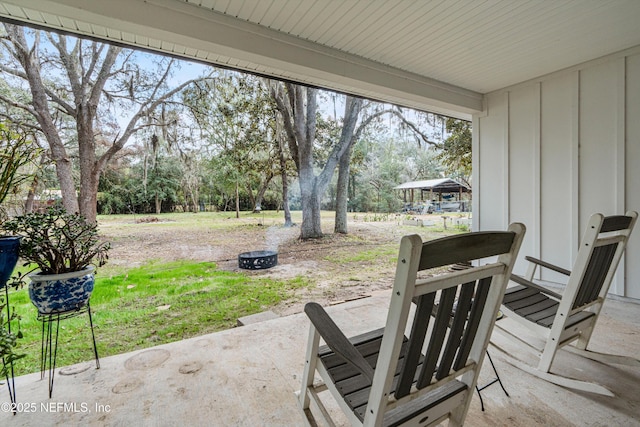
column 355, row 387
column 538, row 308
column 568, row 320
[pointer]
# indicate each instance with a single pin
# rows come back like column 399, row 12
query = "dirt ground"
column 342, row 267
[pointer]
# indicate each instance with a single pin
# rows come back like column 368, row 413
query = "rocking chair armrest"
column 336, row 340
column 522, row 281
column 548, row 265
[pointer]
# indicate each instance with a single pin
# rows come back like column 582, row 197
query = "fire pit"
column 257, row 260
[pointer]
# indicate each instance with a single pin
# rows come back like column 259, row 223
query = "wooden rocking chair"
column 383, row 378
column 570, row 318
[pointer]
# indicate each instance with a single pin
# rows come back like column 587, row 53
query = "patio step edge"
column 257, row 318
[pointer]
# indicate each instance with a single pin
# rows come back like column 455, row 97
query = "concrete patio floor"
column 247, row 376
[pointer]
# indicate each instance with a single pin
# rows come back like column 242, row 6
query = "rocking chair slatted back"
column 600, row 251
column 570, row 318
column 594, row 277
column 384, row 378
column 449, row 339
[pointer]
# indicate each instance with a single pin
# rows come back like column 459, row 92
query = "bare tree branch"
column 103, row 75
column 69, row 63
column 54, row 96
column 144, row 110
column 20, row 123
column 283, row 108
column 12, row 71
column 95, row 55
column 65, row 106
column 28, row 108
column 353, row 107
column 415, row 129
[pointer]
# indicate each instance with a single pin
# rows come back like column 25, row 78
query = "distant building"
column 435, row 195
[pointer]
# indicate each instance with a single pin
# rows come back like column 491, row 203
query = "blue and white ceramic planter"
column 9, row 250
column 58, row 293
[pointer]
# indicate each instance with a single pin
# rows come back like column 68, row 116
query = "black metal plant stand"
column 9, row 249
column 11, row 382
column 49, row 346
column 493, row 381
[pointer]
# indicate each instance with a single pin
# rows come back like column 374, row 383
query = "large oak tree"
column 80, row 79
column 298, row 106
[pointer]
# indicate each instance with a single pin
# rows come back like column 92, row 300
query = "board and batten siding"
column 554, row 150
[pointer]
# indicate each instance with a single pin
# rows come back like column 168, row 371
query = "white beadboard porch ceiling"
column 439, row 55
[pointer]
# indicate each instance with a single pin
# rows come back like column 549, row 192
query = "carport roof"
column 437, row 55
column 442, row 185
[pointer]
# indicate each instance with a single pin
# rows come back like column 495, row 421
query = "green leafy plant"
column 8, row 340
column 16, row 151
column 58, row 241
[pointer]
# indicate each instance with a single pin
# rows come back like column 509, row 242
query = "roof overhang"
column 441, row 185
column 192, row 32
column 440, row 56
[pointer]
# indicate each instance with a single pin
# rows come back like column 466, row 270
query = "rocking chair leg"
column 495, row 380
column 549, row 377
column 560, row 380
column 604, row 357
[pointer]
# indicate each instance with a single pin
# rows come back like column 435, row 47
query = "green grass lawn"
column 161, row 301
column 150, row 305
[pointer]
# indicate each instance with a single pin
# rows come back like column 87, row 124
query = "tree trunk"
column 298, row 107
column 342, row 192
column 350, row 135
column 237, row 200
column 305, row 135
column 299, row 117
column 195, row 197
column 347, row 140
column 352, row 187
column 257, row 202
column 285, row 201
column 311, row 227
column 31, row 66
column 89, row 170
column 252, row 199
column 88, row 200
column 285, row 185
column 31, row 195
column 64, row 172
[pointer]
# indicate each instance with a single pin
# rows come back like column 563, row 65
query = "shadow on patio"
column 247, row 377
